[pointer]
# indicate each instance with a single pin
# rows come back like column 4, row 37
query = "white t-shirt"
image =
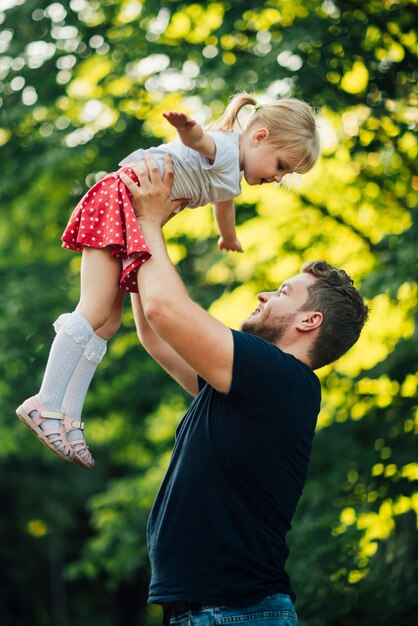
column 195, row 177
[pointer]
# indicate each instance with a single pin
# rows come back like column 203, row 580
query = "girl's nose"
column 278, row 178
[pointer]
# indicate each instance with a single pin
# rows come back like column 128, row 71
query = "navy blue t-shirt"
column 216, row 533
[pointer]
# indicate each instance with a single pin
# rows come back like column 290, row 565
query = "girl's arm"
column 192, row 134
column 224, row 213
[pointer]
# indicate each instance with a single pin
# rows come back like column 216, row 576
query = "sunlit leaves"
column 194, row 23
column 89, row 74
column 356, row 79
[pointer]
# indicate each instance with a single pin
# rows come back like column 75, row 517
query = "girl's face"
column 262, row 161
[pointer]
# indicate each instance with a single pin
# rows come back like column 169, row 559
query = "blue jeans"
column 277, row 610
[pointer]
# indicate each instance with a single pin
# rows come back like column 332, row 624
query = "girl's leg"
column 73, row 401
column 111, row 326
column 93, row 353
column 100, row 272
column 99, row 285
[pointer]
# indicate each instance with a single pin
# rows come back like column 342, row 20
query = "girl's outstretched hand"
column 181, row 121
column 233, row 245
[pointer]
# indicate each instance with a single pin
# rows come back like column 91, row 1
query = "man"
column 216, row 533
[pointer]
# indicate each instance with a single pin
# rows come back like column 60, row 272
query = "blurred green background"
column 82, row 83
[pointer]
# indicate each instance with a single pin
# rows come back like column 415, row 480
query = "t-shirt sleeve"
column 226, row 157
column 260, row 368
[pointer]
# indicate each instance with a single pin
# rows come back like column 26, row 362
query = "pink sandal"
column 55, row 438
column 82, row 454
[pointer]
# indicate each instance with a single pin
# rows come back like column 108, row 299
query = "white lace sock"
column 73, row 334
column 72, row 405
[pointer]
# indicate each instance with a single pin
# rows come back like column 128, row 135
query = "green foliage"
column 83, row 83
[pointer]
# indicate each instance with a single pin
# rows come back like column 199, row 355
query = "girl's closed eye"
column 282, row 166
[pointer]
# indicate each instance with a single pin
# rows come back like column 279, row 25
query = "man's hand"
column 151, row 200
column 181, row 121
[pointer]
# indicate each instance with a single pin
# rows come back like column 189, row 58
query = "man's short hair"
column 343, row 309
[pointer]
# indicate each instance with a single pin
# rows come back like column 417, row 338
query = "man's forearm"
column 146, row 334
column 161, row 351
column 158, row 281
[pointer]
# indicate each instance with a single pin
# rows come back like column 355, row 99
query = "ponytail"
column 230, row 117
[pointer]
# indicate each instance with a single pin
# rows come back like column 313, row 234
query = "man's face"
column 279, row 311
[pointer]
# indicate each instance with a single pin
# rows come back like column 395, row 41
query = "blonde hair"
column 291, row 123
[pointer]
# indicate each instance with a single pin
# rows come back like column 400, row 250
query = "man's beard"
column 271, row 330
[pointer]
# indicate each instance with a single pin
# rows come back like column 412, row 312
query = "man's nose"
column 264, row 296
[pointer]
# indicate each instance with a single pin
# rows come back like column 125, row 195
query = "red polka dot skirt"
column 104, row 218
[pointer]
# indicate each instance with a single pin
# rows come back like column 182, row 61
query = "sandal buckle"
column 76, row 424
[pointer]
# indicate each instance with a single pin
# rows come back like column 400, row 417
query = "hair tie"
column 257, row 106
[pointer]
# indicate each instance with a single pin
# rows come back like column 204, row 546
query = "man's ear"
column 309, row 321
column 259, row 135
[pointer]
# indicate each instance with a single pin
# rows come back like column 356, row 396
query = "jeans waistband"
column 174, row 609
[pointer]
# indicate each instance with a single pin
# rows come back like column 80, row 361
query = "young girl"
column 280, row 137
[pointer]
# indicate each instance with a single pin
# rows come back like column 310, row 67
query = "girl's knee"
column 105, row 318
column 109, row 329
column 95, row 316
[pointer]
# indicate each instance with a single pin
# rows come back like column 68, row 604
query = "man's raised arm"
column 204, row 343
column 164, row 354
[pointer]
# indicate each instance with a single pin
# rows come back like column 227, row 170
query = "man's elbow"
column 157, row 313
